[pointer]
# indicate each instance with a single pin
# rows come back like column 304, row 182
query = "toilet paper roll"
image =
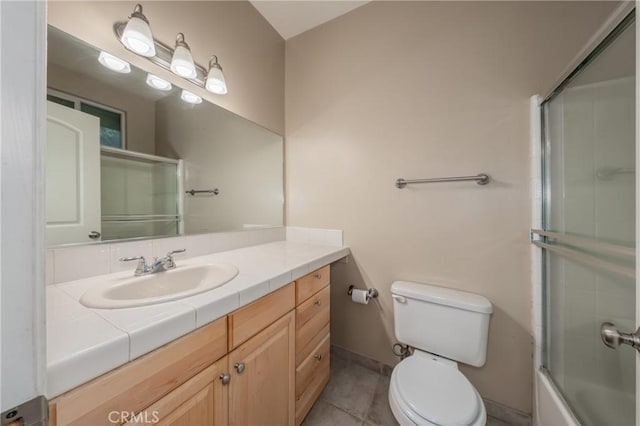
column 360, row 296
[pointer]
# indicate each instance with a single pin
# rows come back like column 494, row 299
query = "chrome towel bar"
column 481, row 179
column 203, row 191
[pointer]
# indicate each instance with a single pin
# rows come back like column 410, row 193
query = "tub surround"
column 84, row 343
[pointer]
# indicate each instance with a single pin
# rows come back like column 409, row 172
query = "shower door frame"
column 608, row 32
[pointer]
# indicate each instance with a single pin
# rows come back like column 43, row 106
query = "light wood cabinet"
column 256, row 316
column 312, row 339
column 136, row 385
column 239, row 370
column 202, row 400
column 262, row 377
column 311, row 283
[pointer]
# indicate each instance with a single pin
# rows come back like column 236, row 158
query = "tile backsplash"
column 84, row 261
column 329, row 237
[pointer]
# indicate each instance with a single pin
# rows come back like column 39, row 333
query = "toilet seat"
column 428, row 390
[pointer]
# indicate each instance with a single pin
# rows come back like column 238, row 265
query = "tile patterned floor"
column 356, row 396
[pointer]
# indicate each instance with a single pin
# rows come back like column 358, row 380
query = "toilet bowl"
column 429, row 390
column 444, row 326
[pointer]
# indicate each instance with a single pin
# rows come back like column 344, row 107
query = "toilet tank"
column 449, row 323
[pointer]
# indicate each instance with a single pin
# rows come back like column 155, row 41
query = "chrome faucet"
column 158, row 265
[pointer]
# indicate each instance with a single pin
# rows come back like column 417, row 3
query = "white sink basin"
column 183, row 281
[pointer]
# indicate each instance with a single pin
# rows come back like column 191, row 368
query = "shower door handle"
column 612, row 337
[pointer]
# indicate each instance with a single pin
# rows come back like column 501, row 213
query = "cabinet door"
column 201, row 401
column 262, row 385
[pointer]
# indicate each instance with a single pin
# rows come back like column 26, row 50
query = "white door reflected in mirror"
column 73, row 176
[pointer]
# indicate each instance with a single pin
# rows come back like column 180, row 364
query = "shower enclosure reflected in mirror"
column 124, row 149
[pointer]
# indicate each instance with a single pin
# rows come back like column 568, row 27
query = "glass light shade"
column 138, row 38
column 182, row 63
column 216, row 82
column 191, row 98
column 114, row 63
column 158, row 83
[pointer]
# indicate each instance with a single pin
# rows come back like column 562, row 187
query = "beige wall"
column 416, row 90
column 250, row 50
column 140, row 112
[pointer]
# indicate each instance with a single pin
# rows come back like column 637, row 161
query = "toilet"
column 444, row 327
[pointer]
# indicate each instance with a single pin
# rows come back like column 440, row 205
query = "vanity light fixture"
column 137, row 36
column 190, row 98
column 215, row 82
column 114, row 63
column 158, row 83
column 182, row 61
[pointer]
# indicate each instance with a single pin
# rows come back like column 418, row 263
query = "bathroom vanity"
column 264, row 362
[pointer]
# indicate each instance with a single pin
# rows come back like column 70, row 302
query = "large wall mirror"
column 128, row 153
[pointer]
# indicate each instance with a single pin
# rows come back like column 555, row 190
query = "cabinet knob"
column 318, row 276
column 318, row 357
column 239, row 366
column 317, row 303
column 225, row 378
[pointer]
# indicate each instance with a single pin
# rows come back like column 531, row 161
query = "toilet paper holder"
column 372, row 293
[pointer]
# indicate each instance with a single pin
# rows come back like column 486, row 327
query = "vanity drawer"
column 311, row 317
column 309, row 384
column 140, row 383
column 253, row 318
column 311, row 283
column 316, row 363
column 302, row 352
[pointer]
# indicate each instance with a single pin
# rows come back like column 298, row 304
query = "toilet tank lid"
column 442, row 296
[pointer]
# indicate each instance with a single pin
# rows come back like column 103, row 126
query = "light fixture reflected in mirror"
column 182, row 61
column 137, row 35
column 114, row 63
column 215, row 78
column 190, row 98
column 158, row 83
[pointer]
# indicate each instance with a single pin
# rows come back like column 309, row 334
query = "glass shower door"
column 589, row 232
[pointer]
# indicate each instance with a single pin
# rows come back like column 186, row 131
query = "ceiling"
column 290, row 18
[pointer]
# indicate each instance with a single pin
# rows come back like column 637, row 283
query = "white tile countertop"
column 84, row 343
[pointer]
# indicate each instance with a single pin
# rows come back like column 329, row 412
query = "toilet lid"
column 436, row 392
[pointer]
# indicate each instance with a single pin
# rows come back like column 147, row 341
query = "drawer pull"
column 239, row 366
column 317, row 303
column 225, row 378
column 318, row 276
column 318, row 357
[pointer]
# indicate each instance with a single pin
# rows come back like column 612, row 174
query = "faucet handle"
column 142, row 267
column 172, row 252
column 129, row 259
column 169, row 263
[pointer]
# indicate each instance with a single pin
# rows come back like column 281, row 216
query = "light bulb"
column 137, row 35
column 158, row 83
column 114, row 63
column 191, row 98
